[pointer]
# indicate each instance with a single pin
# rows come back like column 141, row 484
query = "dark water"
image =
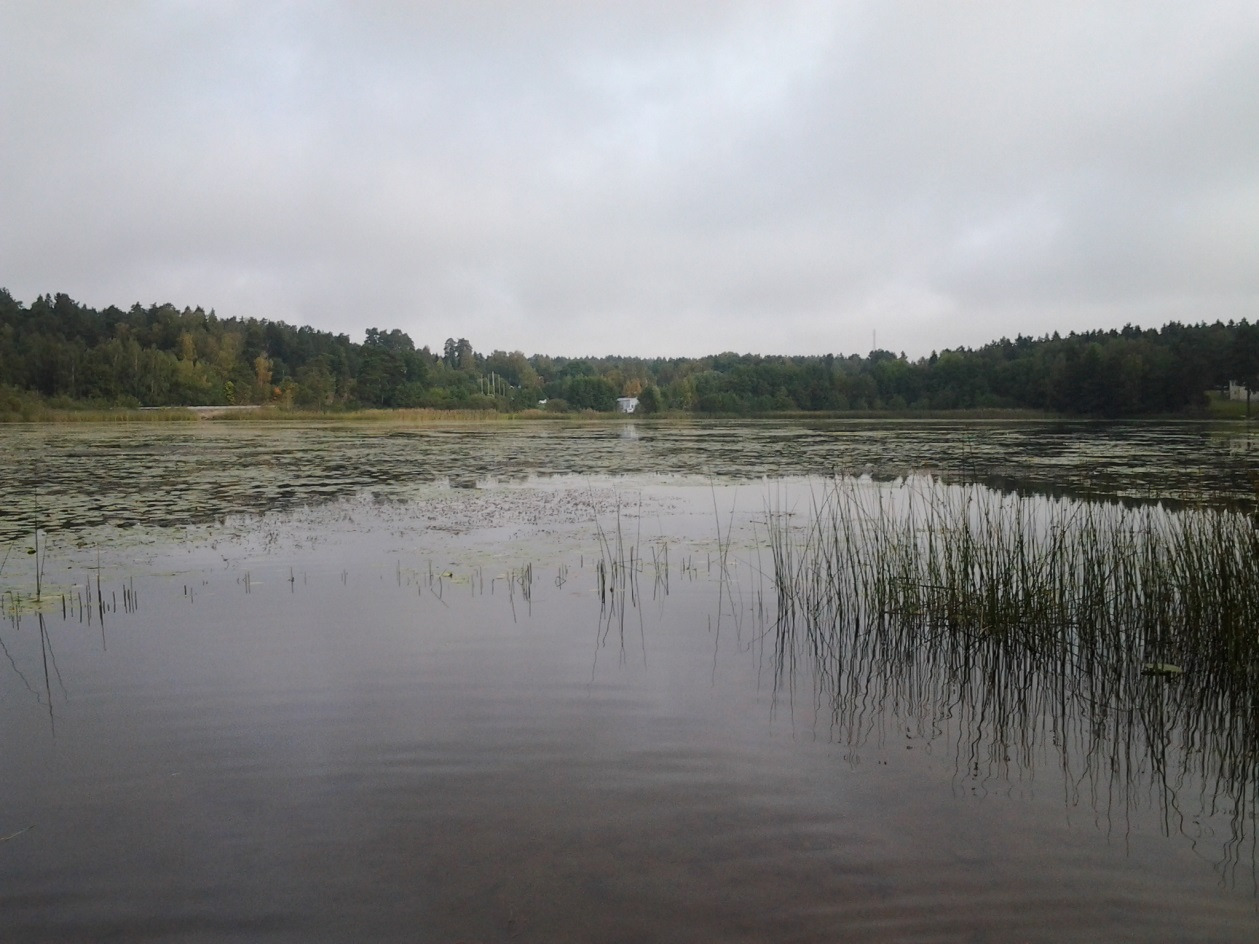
column 392, row 710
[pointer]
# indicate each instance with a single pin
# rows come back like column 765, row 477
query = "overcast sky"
column 671, row 178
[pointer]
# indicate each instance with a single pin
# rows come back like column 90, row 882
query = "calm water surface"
column 287, row 684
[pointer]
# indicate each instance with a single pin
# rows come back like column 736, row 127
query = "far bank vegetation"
column 58, row 354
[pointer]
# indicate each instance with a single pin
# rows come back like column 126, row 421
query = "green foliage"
column 590, row 393
column 162, row 356
column 649, row 401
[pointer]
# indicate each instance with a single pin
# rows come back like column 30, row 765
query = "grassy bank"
column 25, row 407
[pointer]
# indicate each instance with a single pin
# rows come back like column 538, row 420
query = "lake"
column 604, row 682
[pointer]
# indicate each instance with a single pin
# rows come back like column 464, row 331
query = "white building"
column 626, row 404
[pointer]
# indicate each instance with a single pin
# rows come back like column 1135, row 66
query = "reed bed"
column 40, row 412
column 1121, row 642
column 121, row 415
column 417, row 416
column 1068, row 573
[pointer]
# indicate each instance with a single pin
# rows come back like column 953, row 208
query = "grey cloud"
column 650, row 178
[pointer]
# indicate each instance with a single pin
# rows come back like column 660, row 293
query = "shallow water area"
column 546, row 708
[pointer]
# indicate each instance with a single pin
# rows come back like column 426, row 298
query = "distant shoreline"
column 206, row 412
column 434, row 417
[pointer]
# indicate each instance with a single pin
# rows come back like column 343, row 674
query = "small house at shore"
column 626, row 404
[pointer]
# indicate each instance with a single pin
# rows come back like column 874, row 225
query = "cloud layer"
column 582, row 178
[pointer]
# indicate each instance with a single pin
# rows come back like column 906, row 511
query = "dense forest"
column 70, row 354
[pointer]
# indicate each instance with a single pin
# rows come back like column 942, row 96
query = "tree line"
column 70, row 354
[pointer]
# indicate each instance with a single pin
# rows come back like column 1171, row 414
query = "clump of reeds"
column 522, row 580
column 1122, row 639
column 1170, row 586
column 620, row 561
column 617, row 569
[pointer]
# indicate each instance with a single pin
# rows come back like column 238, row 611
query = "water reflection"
column 587, row 707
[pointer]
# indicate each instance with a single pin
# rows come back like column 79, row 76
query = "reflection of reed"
column 76, row 606
column 13, row 664
column 45, row 648
column 522, row 579
column 1118, row 642
column 616, row 574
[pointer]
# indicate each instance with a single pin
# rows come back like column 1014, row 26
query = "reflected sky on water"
column 568, row 709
